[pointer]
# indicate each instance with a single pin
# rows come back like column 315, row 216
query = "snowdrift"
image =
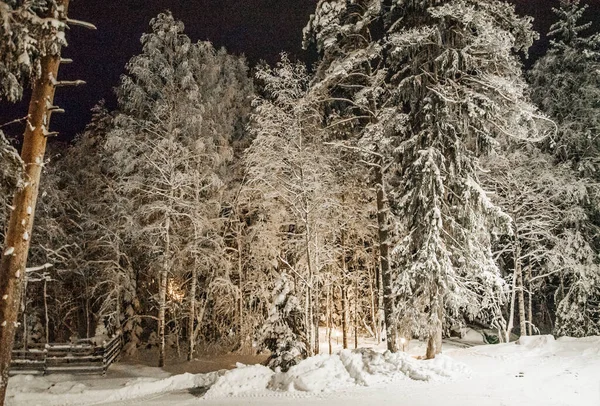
column 24, row 389
column 328, row 373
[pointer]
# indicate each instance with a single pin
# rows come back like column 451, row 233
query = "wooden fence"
column 83, row 357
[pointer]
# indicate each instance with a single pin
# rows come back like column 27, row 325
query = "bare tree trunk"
column 311, row 283
column 530, row 307
column 162, row 293
column 329, row 319
column 46, row 318
column 344, row 289
column 373, row 305
column 192, row 311
column 308, row 318
column 521, row 293
column 243, row 341
column 316, row 316
column 18, row 235
column 86, row 308
column 379, row 284
column 434, row 344
column 511, row 315
column 355, row 312
column 386, row 274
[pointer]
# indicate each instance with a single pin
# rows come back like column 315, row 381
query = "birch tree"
column 288, row 166
column 177, row 135
column 547, row 246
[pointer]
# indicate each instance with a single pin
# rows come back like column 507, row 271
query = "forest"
column 421, row 176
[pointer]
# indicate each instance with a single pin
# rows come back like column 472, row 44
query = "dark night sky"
column 260, row 29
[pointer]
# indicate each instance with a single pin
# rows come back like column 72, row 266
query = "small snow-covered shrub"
column 283, row 333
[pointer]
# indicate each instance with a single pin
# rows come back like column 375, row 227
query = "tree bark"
column 308, row 319
column 355, row 312
column 373, row 305
column 192, row 311
column 530, row 307
column 243, row 340
column 521, row 293
column 162, row 294
column 511, row 315
column 434, row 344
column 344, row 289
column 18, row 236
column 311, row 283
column 316, row 316
column 329, row 319
column 46, row 318
column 380, row 311
column 386, row 274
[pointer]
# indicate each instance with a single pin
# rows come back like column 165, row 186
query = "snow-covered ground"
column 537, row 371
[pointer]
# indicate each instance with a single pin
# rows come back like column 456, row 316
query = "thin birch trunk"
column 329, row 319
column 344, row 290
column 373, row 306
column 46, row 318
column 511, row 315
column 530, row 304
column 162, row 294
column 386, row 272
column 521, row 293
column 243, row 341
column 355, row 312
column 192, row 311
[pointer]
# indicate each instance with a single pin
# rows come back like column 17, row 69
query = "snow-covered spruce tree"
column 11, row 172
column 453, row 67
column 426, row 100
column 566, row 85
column 11, row 168
column 25, row 38
column 170, row 145
column 577, row 314
column 290, row 169
column 284, row 331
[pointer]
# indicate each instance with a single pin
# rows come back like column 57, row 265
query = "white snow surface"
column 243, row 379
column 533, row 371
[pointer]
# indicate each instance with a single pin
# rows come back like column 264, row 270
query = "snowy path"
column 541, row 372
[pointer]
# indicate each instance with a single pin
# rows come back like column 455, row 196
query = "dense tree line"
column 414, row 181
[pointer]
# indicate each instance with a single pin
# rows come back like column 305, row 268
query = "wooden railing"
column 80, row 358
